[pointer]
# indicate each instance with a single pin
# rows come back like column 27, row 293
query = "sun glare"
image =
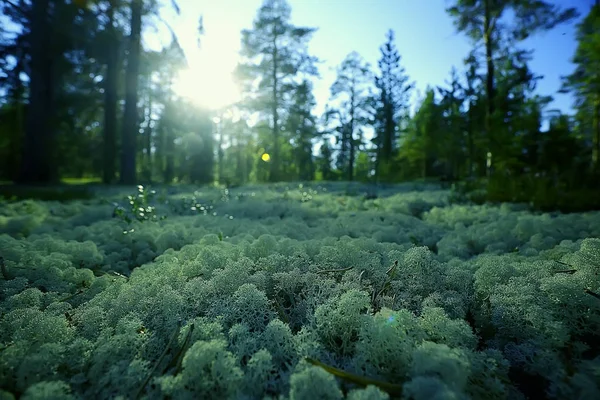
column 208, row 85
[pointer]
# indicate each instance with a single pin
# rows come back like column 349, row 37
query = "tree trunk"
column 110, row 101
column 470, row 140
column 148, row 137
column 130, row 116
column 351, row 134
column 37, row 162
column 274, row 173
column 220, row 153
column 15, row 150
column 490, row 84
column 169, row 171
column 596, row 138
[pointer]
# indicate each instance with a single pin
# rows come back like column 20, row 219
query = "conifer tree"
column 352, row 91
column 301, row 129
column 483, row 22
column 393, row 98
column 584, row 82
column 274, row 54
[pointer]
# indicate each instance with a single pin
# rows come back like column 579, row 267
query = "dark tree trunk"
column 596, row 137
column 274, row 173
column 169, row 172
column 130, row 117
column 388, row 138
column 220, row 153
column 110, row 102
column 37, row 162
column 351, row 134
column 148, row 137
column 470, row 140
column 490, row 84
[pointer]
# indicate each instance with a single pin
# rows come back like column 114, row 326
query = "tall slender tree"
column 483, row 22
column 130, row 115
column 301, row 129
column 274, row 53
column 110, row 44
column 352, row 91
column 584, row 82
column 453, row 124
column 474, row 98
column 394, row 95
column 38, row 146
column 421, row 147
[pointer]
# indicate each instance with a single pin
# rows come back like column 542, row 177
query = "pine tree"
column 274, row 53
column 324, row 161
column 453, row 125
column 130, row 114
column 475, row 109
column 351, row 90
column 110, row 40
column 421, row 147
column 301, row 130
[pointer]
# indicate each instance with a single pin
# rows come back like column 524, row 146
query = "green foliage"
column 393, row 101
column 542, row 194
column 371, row 392
column 209, row 370
column 584, row 82
column 312, row 383
column 422, row 144
column 352, row 96
column 48, row 390
column 275, row 52
column 339, row 321
column 257, row 315
column 139, row 207
column 386, row 342
column 46, row 193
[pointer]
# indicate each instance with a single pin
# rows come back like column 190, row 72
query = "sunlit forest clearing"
column 157, row 242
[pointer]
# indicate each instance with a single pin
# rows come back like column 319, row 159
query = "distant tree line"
column 81, row 97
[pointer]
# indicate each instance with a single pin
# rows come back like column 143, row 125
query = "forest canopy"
column 83, row 98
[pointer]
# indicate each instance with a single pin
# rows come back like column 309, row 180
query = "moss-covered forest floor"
column 296, row 291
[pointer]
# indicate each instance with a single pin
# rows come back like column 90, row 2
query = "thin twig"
column 392, row 268
column 566, row 271
column 281, row 312
column 360, row 276
column 3, row 270
column 69, row 297
column 162, row 356
column 179, row 356
column 594, row 294
column 323, row 271
column 391, row 388
column 563, row 263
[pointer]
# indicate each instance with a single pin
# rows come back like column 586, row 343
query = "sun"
column 207, row 84
column 211, row 60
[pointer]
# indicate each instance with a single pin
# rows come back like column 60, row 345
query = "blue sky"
column 425, row 37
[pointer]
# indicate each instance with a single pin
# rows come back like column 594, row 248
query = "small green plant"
column 138, row 207
column 190, row 206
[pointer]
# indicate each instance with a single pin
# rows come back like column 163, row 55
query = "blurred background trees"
column 82, row 97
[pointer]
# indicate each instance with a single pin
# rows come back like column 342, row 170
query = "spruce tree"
column 393, row 98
